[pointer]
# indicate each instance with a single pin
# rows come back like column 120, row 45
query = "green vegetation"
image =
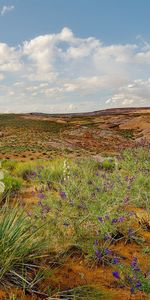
column 20, row 243
column 83, row 208
column 127, row 133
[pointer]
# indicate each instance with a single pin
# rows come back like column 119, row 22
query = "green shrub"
column 108, row 164
column 20, row 244
column 12, row 184
column 127, row 133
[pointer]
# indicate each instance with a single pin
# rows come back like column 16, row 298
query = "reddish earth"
column 34, row 136
column 77, row 272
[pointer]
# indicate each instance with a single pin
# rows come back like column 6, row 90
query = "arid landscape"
column 75, row 205
column 31, row 136
column 74, row 150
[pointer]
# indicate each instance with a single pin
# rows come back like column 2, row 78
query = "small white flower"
column 66, row 170
column 2, row 187
column 1, row 175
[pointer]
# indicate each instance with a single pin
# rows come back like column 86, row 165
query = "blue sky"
column 66, row 55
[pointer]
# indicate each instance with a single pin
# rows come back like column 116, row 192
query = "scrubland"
column 74, row 222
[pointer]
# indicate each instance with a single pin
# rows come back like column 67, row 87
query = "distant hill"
column 110, row 111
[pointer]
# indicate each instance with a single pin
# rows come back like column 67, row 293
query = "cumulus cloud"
column 68, row 73
column 1, row 76
column 135, row 94
column 6, row 9
column 10, row 58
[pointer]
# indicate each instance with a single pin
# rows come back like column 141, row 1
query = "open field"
column 75, row 206
column 44, row 136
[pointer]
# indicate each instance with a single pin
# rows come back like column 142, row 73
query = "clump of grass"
column 9, row 164
column 83, row 292
column 108, row 164
column 146, row 250
column 39, row 170
column 126, row 133
column 20, row 246
column 12, row 184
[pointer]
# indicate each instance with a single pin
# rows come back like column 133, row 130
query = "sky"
column 61, row 56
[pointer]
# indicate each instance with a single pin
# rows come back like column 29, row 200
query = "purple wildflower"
column 121, row 219
column 114, row 221
column 116, row 274
column 132, row 290
column 130, row 280
column 134, row 262
column 130, row 232
column 138, row 285
column 108, row 251
column 100, row 219
column 98, row 254
column 116, row 261
column 134, row 265
column 34, row 174
column 96, row 243
column 147, row 274
column 63, row 195
column 41, row 196
column 137, row 269
column 107, row 237
column 126, row 200
column 132, row 213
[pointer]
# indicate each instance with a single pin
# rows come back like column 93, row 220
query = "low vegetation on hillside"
column 39, row 136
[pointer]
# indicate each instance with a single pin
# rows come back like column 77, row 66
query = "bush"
column 20, row 244
column 12, row 184
column 108, row 164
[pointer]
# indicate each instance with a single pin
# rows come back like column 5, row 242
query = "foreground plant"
column 81, row 205
column 132, row 277
column 21, row 245
column 2, row 185
column 82, row 292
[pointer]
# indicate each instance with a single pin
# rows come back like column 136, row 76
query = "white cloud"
column 1, row 76
column 6, row 9
column 65, row 71
column 9, row 58
column 135, row 94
